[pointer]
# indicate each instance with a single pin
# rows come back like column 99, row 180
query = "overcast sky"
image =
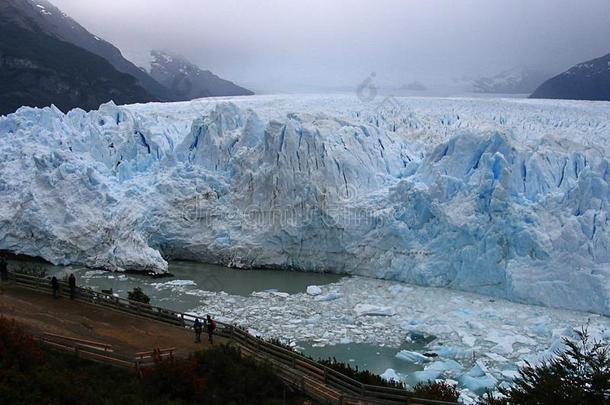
column 286, row 45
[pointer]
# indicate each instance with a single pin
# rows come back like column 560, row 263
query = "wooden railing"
column 311, row 377
column 99, row 352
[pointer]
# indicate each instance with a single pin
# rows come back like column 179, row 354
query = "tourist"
column 3, row 269
column 72, row 285
column 211, row 325
column 198, row 327
column 55, row 287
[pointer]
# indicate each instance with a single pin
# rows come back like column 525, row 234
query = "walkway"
column 128, row 334
column 130, row 328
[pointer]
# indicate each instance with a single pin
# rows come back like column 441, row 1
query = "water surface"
column 180, row 292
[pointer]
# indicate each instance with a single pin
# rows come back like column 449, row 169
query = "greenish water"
column 184, row 291
column 376, row 359
column 189, row 277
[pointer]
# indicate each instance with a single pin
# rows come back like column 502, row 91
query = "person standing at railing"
column 3, row 269
column 211, row 326
column 55, row 287
column 72, row 285
column 198, row 327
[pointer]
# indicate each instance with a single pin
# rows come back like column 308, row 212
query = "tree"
column 138, row 295
column 436, row 390
column 580, row 375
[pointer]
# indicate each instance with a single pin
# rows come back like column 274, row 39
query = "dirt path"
column 40, row 313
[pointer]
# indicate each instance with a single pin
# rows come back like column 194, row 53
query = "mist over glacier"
column 507, row 198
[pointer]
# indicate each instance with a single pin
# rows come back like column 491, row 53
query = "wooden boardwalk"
column 105, row 328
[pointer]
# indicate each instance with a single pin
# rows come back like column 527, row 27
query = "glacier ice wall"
column 503, row 197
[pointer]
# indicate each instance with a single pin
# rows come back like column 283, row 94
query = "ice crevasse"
column 507, row 198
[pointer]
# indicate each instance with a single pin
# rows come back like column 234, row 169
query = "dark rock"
column 187, row 81
column 585, row 81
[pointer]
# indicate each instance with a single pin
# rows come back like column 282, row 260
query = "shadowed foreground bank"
column 31, row 373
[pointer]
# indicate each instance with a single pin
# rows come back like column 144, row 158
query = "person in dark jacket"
column 211, row 325
column 3, row 269
column 72, row 285
column 198, row 328
column 55, row 287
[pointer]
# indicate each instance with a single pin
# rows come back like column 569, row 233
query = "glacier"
column 503, row 197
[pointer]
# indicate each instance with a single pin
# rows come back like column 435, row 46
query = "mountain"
column 38, row 70
column 187, row 81
column 414, row 86
column 497, row 197
column 514, row 81
column 55, row 23
column 585, row 81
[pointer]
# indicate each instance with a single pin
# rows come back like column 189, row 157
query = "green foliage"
column 18, row 350
column 363, row 376
column 211, row 374
column 138, row 295
column 580, row 375
column 32, row 374
column 439, row 391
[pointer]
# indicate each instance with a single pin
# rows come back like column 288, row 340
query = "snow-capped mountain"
column 50, row 20
column 514, row 81
column 38, row 68
column 187, row 81
column 414, row 86
column 585, row 81
column 506, row 198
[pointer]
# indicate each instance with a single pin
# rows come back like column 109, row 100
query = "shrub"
column 578, row 376
column 138, row 295
column 439, row 391
column 17, row 349
column 30, row 374
column 363, row 376
column 216, row 376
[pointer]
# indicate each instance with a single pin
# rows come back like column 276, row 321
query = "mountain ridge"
column 187, row 80
column 38, row 70
column 589, row 80
column 512, row 81
column 55, row 23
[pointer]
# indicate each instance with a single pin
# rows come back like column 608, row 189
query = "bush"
column 578, row 376
column 18, row 350
column 363, row 376
column 439, row 391
column 138, row 295
column 30, row 374
column 216, row 376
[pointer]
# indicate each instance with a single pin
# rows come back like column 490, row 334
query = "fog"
column 284, row 45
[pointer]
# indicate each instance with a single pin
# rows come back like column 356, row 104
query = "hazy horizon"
column 276, row 45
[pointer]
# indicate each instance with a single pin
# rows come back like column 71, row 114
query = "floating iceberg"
column 314, row 290
column 390, row 375
column 412, row 357
column 508, row 198
column 373, row 310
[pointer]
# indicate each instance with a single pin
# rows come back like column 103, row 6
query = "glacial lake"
column 365, row 322
column 189, row 276
column 207, row 277
column 376, row 359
